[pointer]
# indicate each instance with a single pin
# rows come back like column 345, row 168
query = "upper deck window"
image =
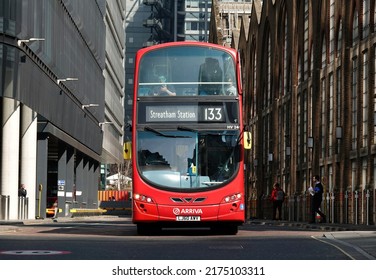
column 187, row 71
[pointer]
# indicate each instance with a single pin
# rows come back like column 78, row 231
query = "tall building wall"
column 49, row 142
column 310, row 104
column 114, row 74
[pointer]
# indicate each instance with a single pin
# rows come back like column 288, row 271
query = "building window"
column 305, row 123
column 299, row 127
column 331, row 31
column 364, row 174
column 338, row 101
column 310, row 117
column 339, row 41
column 355, row 35
column 269, row 78
column 323, row 54
column 366, row 18
column 306, row 37
column 353, row 175
column 365, row 99
column 374, row 93
column 323, row 117
column 254, row 79
column 331, row 113
column 339, row 95
column 354, row 90
column 330, row 175
column 285, row 75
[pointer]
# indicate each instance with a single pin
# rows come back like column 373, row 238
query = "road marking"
column 354, row 247
column 33, row 252
column 340, row 249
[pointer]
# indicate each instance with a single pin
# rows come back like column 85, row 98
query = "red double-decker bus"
column 188, row 138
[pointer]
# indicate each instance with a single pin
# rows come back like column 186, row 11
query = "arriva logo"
column 178, row 211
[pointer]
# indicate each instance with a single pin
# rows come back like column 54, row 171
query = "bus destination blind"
column 185, row 113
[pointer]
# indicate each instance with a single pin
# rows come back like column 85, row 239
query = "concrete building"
column 114, row 74
column 310, row 88
column 54, row 103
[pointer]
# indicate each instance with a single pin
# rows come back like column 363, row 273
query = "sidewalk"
column 318, row 226
column 358, row 240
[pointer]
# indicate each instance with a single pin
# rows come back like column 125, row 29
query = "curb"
column 323, row 227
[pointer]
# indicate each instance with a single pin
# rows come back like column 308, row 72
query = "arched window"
column 366, row 18
column 339, row 39
column 306, row 38
column 331, row 31
column 323, row 54
column 355, row 33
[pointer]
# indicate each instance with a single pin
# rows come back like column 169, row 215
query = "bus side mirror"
column 127, row 150
column 247, row 136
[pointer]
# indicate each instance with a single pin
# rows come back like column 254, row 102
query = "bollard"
column 327, row 204
column 333, row 210
column 346, row 207
column 67, row 208
column 1, row 208
column 356, row 207
column 304, row 207
column 367, row 209
column 298, row 208
column 4, row 207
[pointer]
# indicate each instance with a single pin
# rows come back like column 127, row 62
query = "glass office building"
column 52, row 57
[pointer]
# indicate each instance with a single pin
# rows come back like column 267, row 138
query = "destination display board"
column 200, row 112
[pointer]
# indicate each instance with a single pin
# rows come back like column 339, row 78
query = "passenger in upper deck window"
column 230, row 88
column 163, row 89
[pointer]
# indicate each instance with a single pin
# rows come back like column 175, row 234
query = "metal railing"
column 349, row 207
column 23, row 207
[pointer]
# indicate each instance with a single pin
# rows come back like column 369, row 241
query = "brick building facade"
column 309, row 72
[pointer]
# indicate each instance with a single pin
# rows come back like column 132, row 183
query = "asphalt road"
column 115, row 238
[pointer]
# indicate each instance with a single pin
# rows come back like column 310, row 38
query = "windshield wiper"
column 147, row 128
column 185, row 128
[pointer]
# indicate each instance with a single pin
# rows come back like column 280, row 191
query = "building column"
column 85, row 183
column 79, row 179
column 28, row 156
column 9, row 183
column 61, row 178
column 41, row 179
column 93, row 181
column 69, row 180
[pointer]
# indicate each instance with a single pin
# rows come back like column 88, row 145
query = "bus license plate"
column 187, row 218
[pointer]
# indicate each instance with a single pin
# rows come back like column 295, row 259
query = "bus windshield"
column 187, row 159
column 187, row 70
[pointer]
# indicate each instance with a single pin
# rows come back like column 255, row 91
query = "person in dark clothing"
column 277, row 197
column 317, row 191
column 22, row 191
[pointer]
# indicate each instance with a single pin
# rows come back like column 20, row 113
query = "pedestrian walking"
column 277, row 197
column 316, row 191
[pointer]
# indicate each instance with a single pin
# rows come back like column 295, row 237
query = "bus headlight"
column 232, row 197
column 143, row 198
